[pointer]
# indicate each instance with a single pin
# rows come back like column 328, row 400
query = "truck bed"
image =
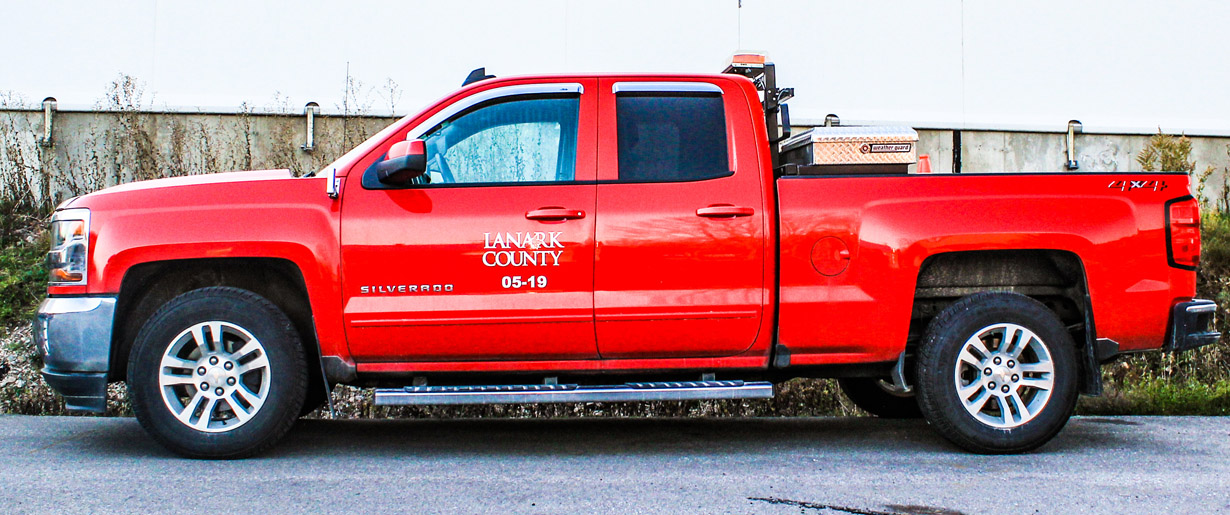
column 892, row 225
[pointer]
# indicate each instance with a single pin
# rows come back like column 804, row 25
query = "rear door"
column 491, row 256
column 680, row 264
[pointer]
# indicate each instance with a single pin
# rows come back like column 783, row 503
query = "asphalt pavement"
column 800, row 465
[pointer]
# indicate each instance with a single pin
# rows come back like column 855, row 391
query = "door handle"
column 554, row 214
column 725, row 211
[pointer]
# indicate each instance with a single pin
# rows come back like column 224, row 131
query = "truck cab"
column 598, row 218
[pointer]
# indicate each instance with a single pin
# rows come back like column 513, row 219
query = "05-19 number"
column 516, row 281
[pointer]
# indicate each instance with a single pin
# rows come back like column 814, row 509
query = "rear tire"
column 870, row 395
column 997, row 373
column 217, row 373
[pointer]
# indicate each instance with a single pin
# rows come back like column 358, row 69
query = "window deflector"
column 665, row 87
column 668, row 135
column 483, row 96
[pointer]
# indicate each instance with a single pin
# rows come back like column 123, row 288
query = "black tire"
column 870, row 396
column 314, row 399
column 285, row 374
column 937, row 377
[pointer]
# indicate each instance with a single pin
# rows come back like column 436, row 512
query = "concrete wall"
column 92, row 150
column 1004, row 151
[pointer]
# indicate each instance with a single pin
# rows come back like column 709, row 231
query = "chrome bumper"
column 73, row 334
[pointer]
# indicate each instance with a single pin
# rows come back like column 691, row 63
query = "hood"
column 194, row 180
column 170, row 184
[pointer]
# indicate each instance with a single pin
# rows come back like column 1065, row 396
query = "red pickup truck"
column 584, row 238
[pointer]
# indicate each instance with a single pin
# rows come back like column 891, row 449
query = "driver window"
column 513, row 140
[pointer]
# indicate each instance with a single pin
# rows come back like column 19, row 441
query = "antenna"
column 477, row 75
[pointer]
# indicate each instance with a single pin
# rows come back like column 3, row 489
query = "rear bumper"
column 1191, row 326
column 73, row 334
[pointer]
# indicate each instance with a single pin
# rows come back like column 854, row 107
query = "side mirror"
column 406, row 161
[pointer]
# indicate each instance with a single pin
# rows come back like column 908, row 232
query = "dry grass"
column 796, row 398
column 22, row 389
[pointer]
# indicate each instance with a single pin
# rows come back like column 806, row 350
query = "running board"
column 541, row 393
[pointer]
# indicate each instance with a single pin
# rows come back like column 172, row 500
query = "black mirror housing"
column 401, row 170
column 406, row 161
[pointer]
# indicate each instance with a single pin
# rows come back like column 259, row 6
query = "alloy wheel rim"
column 214, row 376
column 1004, row 375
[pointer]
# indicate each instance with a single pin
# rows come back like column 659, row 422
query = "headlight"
column 70, row 246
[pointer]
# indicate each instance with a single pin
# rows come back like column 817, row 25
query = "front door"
column 680, row 267
column 490, row 257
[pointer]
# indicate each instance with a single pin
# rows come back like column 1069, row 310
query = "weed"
column 1166, row 153
column 1159, row 396
column 23, row 279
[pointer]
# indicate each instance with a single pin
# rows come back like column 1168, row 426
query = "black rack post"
column 773, row 102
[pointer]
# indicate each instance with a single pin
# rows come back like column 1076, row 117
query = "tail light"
column 1183, row 233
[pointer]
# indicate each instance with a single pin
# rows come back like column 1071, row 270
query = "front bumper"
column 1191, row 326
column 73, row 334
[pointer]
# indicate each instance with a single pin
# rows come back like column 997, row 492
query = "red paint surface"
column 645, row 283
column 669, row 283
column 863, row 313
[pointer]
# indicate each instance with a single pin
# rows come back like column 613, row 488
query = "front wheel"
column 997, row 373
column 217, row 373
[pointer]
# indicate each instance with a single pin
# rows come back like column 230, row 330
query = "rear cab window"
column 671, row 132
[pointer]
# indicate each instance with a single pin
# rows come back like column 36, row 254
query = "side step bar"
column 541, row 393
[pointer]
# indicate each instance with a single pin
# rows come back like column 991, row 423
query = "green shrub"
column 1161, row 396
column 23, row 279
column 1213, row 278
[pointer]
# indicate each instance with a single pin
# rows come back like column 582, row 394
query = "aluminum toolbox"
column 882, row 149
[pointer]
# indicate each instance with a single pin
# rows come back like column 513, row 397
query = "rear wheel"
column 997, row 373
column 879, row 397
column 217, row 373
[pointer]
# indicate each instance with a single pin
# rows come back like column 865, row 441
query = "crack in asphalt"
column 818, row 506
column 1115, row 421
column 898, row 509
column 914, row 509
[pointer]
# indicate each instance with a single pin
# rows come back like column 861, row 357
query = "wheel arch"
column 147, row 286
column 1056, row 278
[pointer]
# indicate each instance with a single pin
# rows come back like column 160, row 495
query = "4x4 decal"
column 1135, row 185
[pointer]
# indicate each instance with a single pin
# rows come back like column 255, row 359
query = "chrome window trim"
column 665, row 87
column 356, row 154
column 491, row 94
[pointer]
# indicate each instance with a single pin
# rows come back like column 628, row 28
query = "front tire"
column 217, row 373
column 997, row 373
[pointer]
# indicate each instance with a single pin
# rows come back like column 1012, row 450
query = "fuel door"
column 830, row 256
